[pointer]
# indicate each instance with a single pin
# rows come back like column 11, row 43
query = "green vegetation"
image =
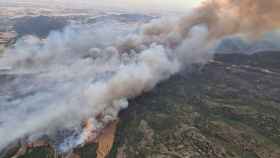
column 219, row 111
column 1, row 50
column 87, row 151
column 42, row 152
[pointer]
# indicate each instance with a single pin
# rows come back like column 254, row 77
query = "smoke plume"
column 88, row 73
column 228, row 17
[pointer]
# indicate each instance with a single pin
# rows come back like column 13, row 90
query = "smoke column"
column 88, row 73
column 227, row 17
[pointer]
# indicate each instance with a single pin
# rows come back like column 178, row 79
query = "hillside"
column 229, row 108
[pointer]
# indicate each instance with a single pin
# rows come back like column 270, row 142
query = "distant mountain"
column 238, row 45
column 262, row 45
column 40, row 26
column 233, row 44
column 122, row 18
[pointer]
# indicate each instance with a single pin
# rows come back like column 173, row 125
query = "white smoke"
column 86, row 72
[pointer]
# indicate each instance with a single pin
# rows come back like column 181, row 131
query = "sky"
column 155, row 4
column 174, row 5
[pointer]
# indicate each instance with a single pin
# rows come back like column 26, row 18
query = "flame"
column 104, row 137
column 90, row 132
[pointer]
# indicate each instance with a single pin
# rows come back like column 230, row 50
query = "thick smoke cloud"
column 88, row 73
column 227, row 17
column 77, row 75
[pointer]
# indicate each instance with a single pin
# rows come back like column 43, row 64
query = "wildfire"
column 90, row 132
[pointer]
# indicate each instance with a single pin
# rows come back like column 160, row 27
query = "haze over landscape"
column 139, row 78
column 143, row 5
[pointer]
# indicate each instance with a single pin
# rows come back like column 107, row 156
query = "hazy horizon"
column 164, row 5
